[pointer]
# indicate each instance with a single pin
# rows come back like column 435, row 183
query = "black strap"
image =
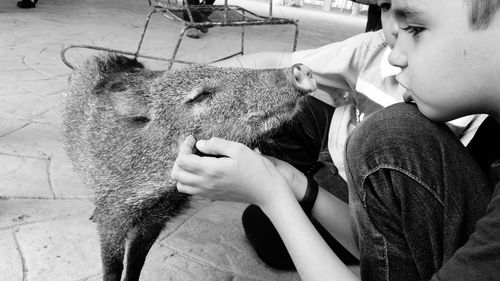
column 307, row 203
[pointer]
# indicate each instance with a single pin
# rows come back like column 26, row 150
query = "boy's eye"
column 385, row 7
column 414, row 30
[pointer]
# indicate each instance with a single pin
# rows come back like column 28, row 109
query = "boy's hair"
column 481, row 12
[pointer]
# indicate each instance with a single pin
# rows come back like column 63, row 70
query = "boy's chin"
column 435, row 115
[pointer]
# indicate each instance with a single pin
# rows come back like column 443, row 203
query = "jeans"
column 415, row 194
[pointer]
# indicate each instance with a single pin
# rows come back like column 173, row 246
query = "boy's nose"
column 397, row 57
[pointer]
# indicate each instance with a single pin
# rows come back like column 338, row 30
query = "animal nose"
column 303, row 78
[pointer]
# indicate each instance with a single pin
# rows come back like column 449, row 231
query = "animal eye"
column 139, row 120
column 198, row 94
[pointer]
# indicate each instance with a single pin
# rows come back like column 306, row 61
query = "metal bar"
column 243, row 36
column 161, row 7
column 144, row 32
column 225, row 11
column 224, row 8
column 67, row 63
column 189, row 12
column 224, row 58
column 177, row 47
column 295, row 37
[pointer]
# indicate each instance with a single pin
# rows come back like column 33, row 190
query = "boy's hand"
column 241, row 175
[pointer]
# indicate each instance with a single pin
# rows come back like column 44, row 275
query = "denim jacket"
column 479, row 258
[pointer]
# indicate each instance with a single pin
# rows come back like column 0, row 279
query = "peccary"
column 123, row 124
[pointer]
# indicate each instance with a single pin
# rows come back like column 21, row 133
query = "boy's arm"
column 310, row 253
column 331, row 212
column 336, row 65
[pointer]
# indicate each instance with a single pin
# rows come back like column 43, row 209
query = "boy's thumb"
column 187, row 146
column 213, row 146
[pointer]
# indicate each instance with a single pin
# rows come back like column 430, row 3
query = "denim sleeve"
column 479, row 258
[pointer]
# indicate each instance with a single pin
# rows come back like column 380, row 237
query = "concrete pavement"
column 45, row 232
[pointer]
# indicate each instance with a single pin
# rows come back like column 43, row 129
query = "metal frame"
column 231, row 16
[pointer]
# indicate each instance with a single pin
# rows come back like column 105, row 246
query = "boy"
column 422, row 205
column 358, row 65
column 416, row 192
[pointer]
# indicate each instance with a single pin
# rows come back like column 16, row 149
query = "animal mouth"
column 276, row 118
column 284, row 109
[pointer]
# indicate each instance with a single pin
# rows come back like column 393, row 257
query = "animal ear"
column 198, row 94
column 127, row 104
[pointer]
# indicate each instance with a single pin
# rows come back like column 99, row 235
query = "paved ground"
column 45, row 233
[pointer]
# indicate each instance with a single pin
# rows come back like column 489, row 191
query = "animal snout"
column 303, row 78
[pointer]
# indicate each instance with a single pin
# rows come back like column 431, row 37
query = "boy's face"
column 449, row 69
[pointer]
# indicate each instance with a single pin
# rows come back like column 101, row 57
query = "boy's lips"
column 407, row 97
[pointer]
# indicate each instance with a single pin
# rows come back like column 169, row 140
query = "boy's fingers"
column 199, row 165
column 182, row 176
column 218, row 146
column 187, row 146
column 188, row 162
column 184, row 188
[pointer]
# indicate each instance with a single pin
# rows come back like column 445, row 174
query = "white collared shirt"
column 360, row 67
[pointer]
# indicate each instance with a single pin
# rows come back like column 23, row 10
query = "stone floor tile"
column 13, row 149
column 65, row 181
column 9, row 123
column 52, row 116
column 225, row 246
column 48, row 87
column 66, row 249
column 11, row 265
column 8, row 88
column 24, row 177
column 45, row 138
column 163, row 263
column 17, row 212
column 48, row 62
column 21, row 75
column 10, row 63
column 28, row 105
column 196, row 205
